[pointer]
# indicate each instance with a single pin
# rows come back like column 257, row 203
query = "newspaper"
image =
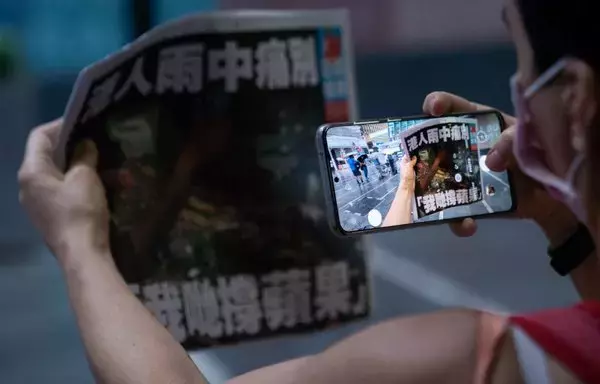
column 446, row 168
column 205, row 129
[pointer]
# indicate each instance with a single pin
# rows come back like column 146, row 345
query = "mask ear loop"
column 573, row 170
column 545, row 78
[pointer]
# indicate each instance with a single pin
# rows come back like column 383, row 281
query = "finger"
column 86, row 154
column 465, row 228
column 39, row 150
column 440, row 103
column 414, row 160
column 501, row 154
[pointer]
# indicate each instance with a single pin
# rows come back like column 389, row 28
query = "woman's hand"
column 533, row 201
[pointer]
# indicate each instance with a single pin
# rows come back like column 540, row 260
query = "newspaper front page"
column 205, row 129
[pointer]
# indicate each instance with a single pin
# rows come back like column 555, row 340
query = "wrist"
column 76, row 251
column 559, row 227
column 407, row 184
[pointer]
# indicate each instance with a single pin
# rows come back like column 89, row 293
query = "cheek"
column 550, row 125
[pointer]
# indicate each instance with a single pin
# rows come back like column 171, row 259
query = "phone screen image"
column 419, row 170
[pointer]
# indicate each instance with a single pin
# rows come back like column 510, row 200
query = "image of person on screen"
column 362, row 161
column 355, row 168
column 380, row 161
column 400, row 212
column 392, row 163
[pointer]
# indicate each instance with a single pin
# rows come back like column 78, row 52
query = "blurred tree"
column 8, row 56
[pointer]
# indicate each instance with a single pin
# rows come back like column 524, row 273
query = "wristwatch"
column 573, row 252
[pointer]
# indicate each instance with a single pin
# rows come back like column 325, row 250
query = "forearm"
column 124, row 342
column 586, row 277
column 401, row 208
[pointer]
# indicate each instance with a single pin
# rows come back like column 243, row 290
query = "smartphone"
column 404, row 172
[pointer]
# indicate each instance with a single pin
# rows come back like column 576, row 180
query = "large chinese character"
column 101, row 97
column 201, row 307
column 422, row 139
column 332, row 290
column 286, row 299
column 412, row 143
column 240, row 307
column 473, row 193
column 272, row 65
column 429, row 203
column 464, row 131
column 136, row 80
column 456, row 133
column 432, row 136
column 462, row 196
column 304, row 62
column 180, row 68
column 445, row 134
column 164, row 301
column 440, row 200
column 230, row 64
column 451, row 197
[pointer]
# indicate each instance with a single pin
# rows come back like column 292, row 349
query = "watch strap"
column 573, row 252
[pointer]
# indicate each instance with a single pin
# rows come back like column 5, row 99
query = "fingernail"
column 436, row 106
column 432, row 104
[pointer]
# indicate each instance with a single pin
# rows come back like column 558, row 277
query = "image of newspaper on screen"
column 446, row 164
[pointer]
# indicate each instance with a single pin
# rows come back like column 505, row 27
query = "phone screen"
column 418, row 170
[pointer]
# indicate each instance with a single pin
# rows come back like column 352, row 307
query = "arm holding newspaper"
column 400, row 212
column 123, row 341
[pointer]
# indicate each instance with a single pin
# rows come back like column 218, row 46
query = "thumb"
column 86, row 154
column 501, row 155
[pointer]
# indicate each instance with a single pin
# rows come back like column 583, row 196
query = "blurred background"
column 404, row 49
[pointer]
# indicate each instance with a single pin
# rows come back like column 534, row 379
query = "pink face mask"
column 531, row 158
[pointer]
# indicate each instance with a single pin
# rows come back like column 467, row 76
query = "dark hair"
column 560, row 28
column 351, row 156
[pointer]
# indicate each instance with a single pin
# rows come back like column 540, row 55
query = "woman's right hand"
column 533, row 201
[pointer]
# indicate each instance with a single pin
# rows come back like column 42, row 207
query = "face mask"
column 530, row 157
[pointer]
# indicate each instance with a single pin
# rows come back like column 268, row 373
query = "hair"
column 351, row 156
column 558, row 29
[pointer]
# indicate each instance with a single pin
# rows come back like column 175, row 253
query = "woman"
column 554, row 136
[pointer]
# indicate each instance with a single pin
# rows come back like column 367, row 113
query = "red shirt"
column 570, row 335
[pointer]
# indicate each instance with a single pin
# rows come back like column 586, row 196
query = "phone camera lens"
column 336, row 179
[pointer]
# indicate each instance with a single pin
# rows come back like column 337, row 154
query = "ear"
column 579, row 97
